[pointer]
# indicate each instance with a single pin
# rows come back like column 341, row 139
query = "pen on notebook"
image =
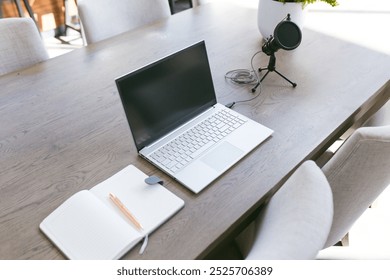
column 125, row 211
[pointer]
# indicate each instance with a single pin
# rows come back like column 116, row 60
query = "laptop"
column 171, row 103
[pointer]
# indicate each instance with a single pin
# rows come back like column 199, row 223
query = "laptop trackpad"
column 222, row 157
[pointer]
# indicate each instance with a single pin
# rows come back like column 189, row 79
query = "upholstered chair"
column 357, row 173
column 101, row 19
column 295, row 223
column 21, row 45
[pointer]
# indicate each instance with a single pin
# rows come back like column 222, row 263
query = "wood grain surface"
column 63, row 128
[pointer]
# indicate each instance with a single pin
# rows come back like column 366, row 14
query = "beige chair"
column 21, row 45
column 357, row 173
column 295, row 223
column 101, row 19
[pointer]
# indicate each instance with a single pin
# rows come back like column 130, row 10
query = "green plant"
column 306, row 2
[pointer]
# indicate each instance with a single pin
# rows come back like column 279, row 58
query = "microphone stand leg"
column 281, row 75
column 257, row 85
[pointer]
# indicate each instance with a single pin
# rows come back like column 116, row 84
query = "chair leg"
column 345, row 240
column 19, row 7
column 28, row 8
column 172, row 6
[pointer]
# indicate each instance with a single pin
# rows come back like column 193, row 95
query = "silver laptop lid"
column 163, row 95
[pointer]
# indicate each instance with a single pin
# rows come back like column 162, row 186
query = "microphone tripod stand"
column 271, row 68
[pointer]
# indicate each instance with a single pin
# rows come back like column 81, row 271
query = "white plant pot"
column 271, row 12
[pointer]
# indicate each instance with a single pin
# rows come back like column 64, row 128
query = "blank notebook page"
column 84, row 228
column 152, row 205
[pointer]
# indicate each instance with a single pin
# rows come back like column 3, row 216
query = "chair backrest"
column 21, row 45
column 101, row 19
column 357, row 173
column 296, row 221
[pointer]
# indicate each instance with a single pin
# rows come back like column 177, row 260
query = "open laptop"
column 173, row 100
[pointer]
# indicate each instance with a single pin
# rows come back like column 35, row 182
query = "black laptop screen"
column 165, row 94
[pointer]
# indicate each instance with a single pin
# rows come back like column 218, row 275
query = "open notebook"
column 89, row 225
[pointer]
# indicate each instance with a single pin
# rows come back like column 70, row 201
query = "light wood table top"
column 63, row 128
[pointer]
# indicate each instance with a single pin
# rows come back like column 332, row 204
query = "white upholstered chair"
column 101, row 19
column 296, row 221
column 357, row 173
column 21, row 45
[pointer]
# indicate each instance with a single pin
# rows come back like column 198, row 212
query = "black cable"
column 231, row 104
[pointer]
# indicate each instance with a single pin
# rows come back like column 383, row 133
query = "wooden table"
column 63, row 128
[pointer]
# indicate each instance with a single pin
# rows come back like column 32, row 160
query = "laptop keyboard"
column 179, row 152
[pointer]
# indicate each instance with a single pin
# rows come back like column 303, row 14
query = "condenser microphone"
column 287, row 36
